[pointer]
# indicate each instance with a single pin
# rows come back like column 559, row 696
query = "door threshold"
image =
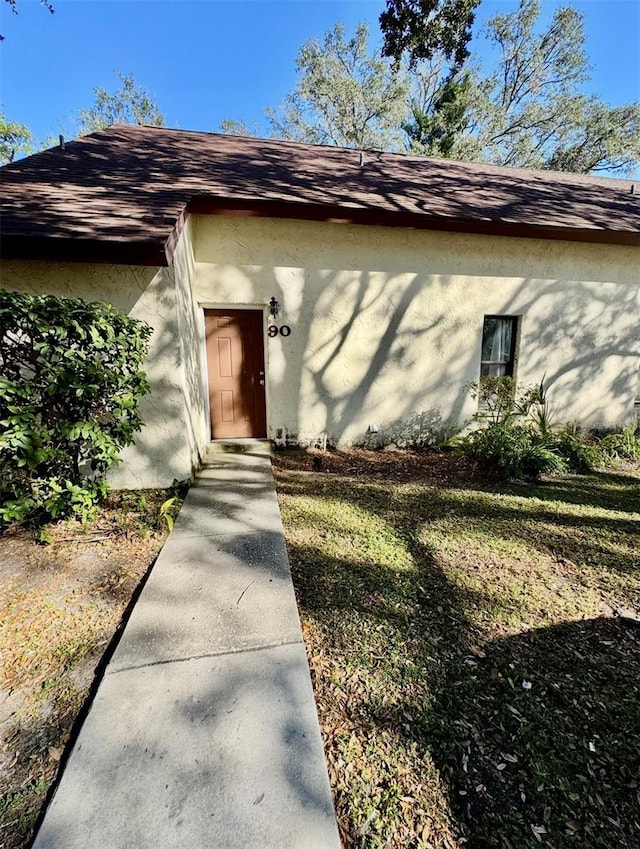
column 242, row 445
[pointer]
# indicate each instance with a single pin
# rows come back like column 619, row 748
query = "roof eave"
column 335, row 214
column 159, row 253
column 101, row 251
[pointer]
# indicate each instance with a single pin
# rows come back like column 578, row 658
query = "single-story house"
column 304, row 293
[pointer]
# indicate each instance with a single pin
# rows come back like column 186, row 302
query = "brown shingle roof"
column 123, row 190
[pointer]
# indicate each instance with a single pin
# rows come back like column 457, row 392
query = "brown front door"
column 235, row 361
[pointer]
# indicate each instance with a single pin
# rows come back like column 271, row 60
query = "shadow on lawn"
column 555, row 763
column 612, row 491
column 535, row 515
column 558, row 761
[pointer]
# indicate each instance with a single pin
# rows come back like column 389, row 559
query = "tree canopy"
column 344, row 96
column 130, row 104
column 531, row 109
column 15, row 139
column 525, row 104
column 420, row 29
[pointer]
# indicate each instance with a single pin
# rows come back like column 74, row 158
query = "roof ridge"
column 546, row 175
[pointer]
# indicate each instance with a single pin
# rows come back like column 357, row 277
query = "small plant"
column 170, row 508
column 520, row 439
column 496, row 397
column 535, row 404
column 622, row 446
column 142, row 513
column 165, row 513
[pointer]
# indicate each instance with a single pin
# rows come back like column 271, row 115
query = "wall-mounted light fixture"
column 274, row 307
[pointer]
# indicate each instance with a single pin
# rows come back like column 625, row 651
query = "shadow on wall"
column 366, row 363
column 189, row 359
column 585, row 342
column 121, row 286
column 411, row 374
column 161, row 452
column 421, row 430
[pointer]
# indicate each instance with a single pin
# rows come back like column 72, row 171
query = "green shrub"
column 510, row 450
column 513, row 439
column 624, row 445
column 520, row 439
column 70, row 386
column 580, row 453
column 517, row 436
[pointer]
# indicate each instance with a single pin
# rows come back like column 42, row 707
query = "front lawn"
column 474, row 649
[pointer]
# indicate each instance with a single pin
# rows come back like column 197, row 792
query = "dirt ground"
column 64, row 590
column 388, row 464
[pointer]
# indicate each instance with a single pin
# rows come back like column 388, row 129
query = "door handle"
column 262, row 383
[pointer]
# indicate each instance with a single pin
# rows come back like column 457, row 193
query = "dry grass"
column 475, row 682
column 60, row 605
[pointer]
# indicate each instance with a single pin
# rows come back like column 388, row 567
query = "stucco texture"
column 386, row 324
column 386, row 327
column 162, row 451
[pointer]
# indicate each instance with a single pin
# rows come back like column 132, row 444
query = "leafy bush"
column 622, row 446
column 580, row 453
column 520, row 439
column 510, row 450
column 70, row 386
column 517, row 437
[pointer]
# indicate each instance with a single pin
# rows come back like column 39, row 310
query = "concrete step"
column 237, row 446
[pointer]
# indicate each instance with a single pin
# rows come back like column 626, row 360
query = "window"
column 498, row 346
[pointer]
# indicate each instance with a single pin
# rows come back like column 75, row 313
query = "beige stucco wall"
column 191, row 347
column 163, row 450
column 386, row 326
column 387, row 323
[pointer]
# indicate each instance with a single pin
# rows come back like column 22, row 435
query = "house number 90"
column 285, row 330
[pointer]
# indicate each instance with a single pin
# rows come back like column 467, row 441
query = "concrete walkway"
column 204, row 732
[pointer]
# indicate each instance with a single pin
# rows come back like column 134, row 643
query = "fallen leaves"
column 59, row 606
column 458, row 694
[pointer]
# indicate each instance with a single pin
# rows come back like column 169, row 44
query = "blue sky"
column 205, row 60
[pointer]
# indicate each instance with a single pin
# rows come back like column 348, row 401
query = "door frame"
column 213, row 305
